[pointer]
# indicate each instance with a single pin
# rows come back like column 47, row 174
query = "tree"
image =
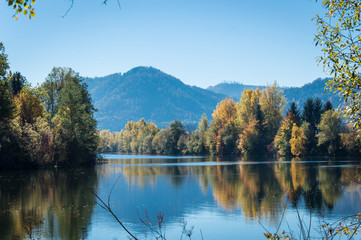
column 317, row 111
column 6, row 104
column 26, row 8
column 29, row 107
column 339, row 35
column 74, row 124
column 294, row 113
column 272, row 103
column 160, row 140
column 282, row 139
column 327, row 106
column 249, row 138
column 224, row 129
column 4, row 65
column 329, row 131
column 312, row 114
column 298, row 141
column 176, row 130
column 351, row 141
column 50, row 89
column 22, row 7
column 16, row 82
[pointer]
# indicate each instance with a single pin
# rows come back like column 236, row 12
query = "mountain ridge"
column 158, row 97
column 146, row 92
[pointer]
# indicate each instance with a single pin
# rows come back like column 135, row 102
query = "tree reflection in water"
column 46, row 204
column 59, row 204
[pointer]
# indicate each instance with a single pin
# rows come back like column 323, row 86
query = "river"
column 213, row 197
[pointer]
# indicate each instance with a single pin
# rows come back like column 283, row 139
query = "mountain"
column 232, row 89
column 299, row 95
column 146, row 92
column 315, row 89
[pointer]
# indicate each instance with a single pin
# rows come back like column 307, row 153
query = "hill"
column 297, row 94
column 232, row 89
column 315, row 89
column 146, row 92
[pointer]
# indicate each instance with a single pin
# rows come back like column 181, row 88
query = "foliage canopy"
column 339, row 33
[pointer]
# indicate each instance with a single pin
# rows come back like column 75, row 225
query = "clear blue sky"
column 201, row 42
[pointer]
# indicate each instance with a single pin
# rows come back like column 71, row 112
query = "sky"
column 201, row 42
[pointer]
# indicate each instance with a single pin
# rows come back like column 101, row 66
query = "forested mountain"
column 297, row 94
column 233, row 89
column 315, row 89
column 146, row 92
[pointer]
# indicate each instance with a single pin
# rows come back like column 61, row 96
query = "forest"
column 48, row 125
column 254, row 125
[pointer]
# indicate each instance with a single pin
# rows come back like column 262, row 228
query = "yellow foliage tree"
column 28, row 107
column 224, row 130
column 298, row 141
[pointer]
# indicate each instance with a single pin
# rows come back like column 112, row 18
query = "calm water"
column 224, row 198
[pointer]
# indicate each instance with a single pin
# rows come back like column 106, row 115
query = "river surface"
column 209, row 197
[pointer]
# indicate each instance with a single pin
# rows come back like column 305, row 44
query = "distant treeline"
column 48, row 125
column 254, row 125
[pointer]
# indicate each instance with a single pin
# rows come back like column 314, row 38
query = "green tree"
column 312, row 110
column 338, row 34
column 16, row 82
column 160, row 140
column 317, row 111
column 327, row 106
column 74, row 124
column 176, row 130
column 329, row 131
column 6, row 104
column 294, row 113
column 50, row 89
column 4, row 65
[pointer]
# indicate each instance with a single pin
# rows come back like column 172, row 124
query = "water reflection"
column 59, row 204
column 260, row 190
column 46, row 204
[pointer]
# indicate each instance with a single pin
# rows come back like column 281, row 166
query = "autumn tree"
column 272, row 103
column 28, row 106
column 283, row 136
column 298, row 141
column 338, row 35
column 252, row 123
column 351, row 141
column 224, row 129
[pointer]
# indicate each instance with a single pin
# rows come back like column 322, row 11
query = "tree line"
column 51, row 124
column 254, row 125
